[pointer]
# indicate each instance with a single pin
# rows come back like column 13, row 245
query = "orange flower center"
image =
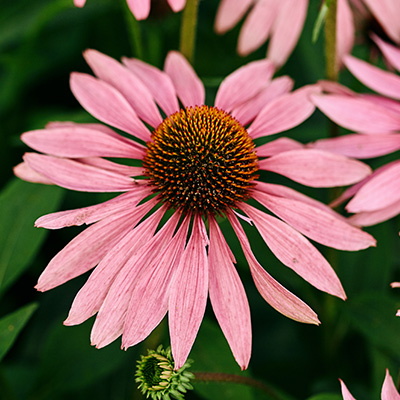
column 201, row 160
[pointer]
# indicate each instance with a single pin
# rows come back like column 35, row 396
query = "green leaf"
column 325, row 396
column 21, row 203
column 11, row 325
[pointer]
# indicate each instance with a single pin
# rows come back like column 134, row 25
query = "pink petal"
column 318, row 225
column 375, row 217
column 92, row 295
column 188, row 298
column 380, row 192
column 395, row 284
column 77, row 176
column 243, row 84
column 345, row 392
column 296, row 252
column 88, row 215
column 384, row 102
column 26, row 173
column 107, row 104
column 359, row 146
column 149, row 302
column 389, row 391
column 87, row 249
column 79, row 3
column 158, row 83
column 335, row 88
column 390, row 52
column 111, row 317
column 357, row 114
column 77, row 141
column 229, row 13
column 257, row 26
column 375, row 78
column 228, row 297
column 345, row 31
column 140, row 8
column 177, row 5
column 387, row 12
column 286, row 30
column 131, row 87
column 284, row 113
column 187, row 84
column 247, row 111
column 273, row 293
column 278, row 146
column 316, row 168
column 111, row 166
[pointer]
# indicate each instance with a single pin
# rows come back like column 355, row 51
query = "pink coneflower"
column 376, row 18
column 377, row 198
column 199, row 164
column 389, row 391
column 280, row 20
column 141, row 8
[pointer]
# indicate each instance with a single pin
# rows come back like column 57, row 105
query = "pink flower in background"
column 377, row 18
column 199, row 163
column 280, row 20
column 389, row 391
column 377, row 118
column 141, row 8
column 396, row 285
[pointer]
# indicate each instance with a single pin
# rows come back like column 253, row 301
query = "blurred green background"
column 41, row 42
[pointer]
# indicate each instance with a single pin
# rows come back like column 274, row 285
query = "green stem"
column 330, row 41
column 134, row 32
column 188, row 29
column 244, row 380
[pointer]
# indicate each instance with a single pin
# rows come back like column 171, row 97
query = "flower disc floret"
column 201, row 159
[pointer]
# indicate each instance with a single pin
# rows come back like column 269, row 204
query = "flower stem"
column 330, row 41
column 244, row 380
column 188, row 29
column 134, row 32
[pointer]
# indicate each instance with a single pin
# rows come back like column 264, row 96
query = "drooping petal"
column 359, row 146
column 87, row 249
column 188, row 298
column 149, row 300
column 158, row 83
column 111, row 166
column 389, row 391
column 345, row 31
column 379, row 192
column 357, row 114
column 91, row 296
column 345, row 392
column 77, row 176
column 107, row 104
column 278, row 146
column 228, row 297
column 26, row 173
column 243, row 84
column 377, row 79
column 371, row 218
column 257, row 26
column 247, row 111
column 229, row 13
column 284, row 113
column 273, row 292
column 110, row 319
column 391, row 53
column 88, row 215
column 296, row 252
column 139, row 8
column 316, row 168
column 324, row 228
column 77, row 141
column 177, row 5
column 187, row 84
column 387, row 12
column 131, row 87
column 286, row 30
